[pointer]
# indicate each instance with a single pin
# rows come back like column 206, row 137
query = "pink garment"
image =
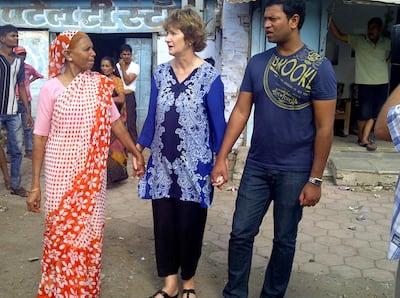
column 30, row 72
column 77, row 120
column 49, row 93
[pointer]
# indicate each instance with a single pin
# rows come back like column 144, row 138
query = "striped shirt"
column 394, row 128
column 10, row 75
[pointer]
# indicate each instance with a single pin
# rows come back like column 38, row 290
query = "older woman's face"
column 83, row 54
column 176, row 41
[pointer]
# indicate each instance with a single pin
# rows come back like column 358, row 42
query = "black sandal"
column 164, row 294
column 188, row 292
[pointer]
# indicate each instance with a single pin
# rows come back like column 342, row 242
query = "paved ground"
column 341, row 249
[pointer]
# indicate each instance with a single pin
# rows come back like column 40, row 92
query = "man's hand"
column 310, row 195
column 219, row 174
column 29, row 121
column 123, row 64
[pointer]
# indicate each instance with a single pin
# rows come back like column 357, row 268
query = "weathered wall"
column 234, row 51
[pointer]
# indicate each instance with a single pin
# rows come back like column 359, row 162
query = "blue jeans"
column 260, row 186
column 14, row 146
column 27, row 131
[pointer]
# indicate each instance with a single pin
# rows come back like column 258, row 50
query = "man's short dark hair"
column 4, row 30
column 291, row 7
column 375, row 21
column 126, row 48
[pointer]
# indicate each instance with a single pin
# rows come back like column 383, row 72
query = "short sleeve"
column 47, row 97
column 393, row 118
column 115, row 115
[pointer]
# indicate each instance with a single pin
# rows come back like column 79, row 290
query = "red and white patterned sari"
column 75, row 170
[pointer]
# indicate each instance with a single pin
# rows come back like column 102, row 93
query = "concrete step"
column 352, row 165
column 349, row 164
column 364, row 169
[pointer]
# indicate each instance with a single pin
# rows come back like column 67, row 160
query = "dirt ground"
column 128, row 261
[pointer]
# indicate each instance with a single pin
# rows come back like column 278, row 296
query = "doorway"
column 109, row 45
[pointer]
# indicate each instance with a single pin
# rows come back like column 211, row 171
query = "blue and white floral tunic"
column 185, row 125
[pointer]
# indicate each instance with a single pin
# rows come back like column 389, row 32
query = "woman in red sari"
column 74, row 121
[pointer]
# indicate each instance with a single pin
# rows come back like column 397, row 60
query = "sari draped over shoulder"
column 75, row 170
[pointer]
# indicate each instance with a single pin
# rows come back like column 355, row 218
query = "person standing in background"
column 117, row 155
column 12, row 76
column 293, row 90
column 184, row 127
column 372, row 54
column 108, row 68
column 129, row 72
column 31, row 75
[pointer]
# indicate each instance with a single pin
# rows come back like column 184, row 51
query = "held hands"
column 139, row 167
column 33, row 200
column 219, row 174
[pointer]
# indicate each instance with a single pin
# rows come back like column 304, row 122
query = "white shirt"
column 133, row 68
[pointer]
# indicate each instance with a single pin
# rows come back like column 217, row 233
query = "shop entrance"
column 109, row 45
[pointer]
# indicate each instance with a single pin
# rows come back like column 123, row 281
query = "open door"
column 142, row 54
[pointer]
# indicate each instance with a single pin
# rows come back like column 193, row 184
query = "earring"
column 69, row 59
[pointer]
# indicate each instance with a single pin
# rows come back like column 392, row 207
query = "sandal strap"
column 188, row 292
column 162, row 293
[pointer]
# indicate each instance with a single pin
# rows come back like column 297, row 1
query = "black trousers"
column 178, row 232
column 131, row 115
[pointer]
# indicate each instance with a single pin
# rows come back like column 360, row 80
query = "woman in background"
column 108, row 68
column 118, row 157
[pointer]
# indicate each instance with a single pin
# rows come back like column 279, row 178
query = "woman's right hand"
column 139, row 166
column 33, row 201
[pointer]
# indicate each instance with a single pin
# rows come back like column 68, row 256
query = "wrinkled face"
column 126, row 56
column 276, row 24
column 10, row 40
column 106, row 67
column 82, row 54
column 176, row 41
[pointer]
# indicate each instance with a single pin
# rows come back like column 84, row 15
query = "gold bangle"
column 35, row 189
column 140, row 163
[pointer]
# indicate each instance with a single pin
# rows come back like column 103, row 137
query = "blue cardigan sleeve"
column 147, row 134
column 216, row 110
